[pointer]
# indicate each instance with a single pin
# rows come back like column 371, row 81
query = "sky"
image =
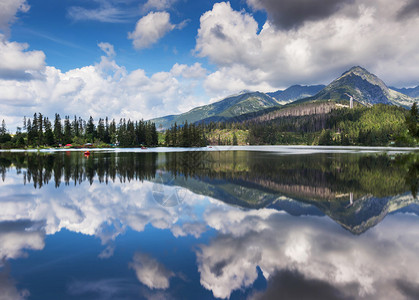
column 142, row 59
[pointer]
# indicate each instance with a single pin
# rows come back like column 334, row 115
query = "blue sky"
column 148, row 58
column 71, row 43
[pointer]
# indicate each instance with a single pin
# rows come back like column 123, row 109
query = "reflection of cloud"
column 289, row 284
column 18, row 235
column 315, row 249
column 105, row 288
column 105, row 213
column 8, row 288
column 150, row 272
column 195, row 229
column 107, row 252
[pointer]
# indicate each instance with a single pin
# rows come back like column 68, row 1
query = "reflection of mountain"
column 355, row 190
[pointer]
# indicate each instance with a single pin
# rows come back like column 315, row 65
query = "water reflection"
column 204, row 247
column 356, row 190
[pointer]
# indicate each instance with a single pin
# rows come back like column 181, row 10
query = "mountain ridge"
column 296, row 92
column 411, row 92
column 365, row 88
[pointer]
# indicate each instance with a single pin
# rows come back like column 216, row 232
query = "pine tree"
column 58, row 130
column 90, row 130
column 101, row 130
column 412, row 121
column 68, row 138
column 49, row 135
column 3, row 129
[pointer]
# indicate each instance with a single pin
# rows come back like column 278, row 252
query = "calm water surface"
column 293, row 224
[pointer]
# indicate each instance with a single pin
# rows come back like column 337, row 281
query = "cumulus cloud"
column 410, row 9
column 271, row 57
column 18, row 63
column 290, row 14
column 120, row 93
column 195, row 71
column 8, row 10
column 150, row 272
column 150, row 29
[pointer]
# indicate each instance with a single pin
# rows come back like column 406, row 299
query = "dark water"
column 199, row 225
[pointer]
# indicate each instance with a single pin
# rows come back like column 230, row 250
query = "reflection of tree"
column 318, row 177
column 412, row 175
column 73, row 167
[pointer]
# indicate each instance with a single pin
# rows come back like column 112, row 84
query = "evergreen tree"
column 34, row 131
column 112, row 132
column 412, row 121
column 3, row 129
column 75, row 126
column 41, row 129
column 49, row 134
column 68, row 138
column 90, row 130
column 101, row 130
column 106, row 138
column 4, row 135
column 154, row 135
column 167, row 138
column 58, row 130
column 235, row 143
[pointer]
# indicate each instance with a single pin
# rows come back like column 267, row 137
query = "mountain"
column 296, row 92
column 230, row 107
column 365, row 87
column 411, row 92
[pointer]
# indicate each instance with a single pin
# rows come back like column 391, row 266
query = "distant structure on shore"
column 351, row 100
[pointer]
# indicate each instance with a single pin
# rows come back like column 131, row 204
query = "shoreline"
column 289, row 149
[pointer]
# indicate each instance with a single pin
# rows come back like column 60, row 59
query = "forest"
column 378, row 125
column 76, row 132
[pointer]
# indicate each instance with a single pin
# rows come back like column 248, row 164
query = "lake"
column 226, row 222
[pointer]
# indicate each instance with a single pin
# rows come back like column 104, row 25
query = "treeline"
column 186, row 135
column 40, row 131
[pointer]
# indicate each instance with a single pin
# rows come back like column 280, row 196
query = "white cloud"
column 150, row 272
column 158, row 5
column 18, row 63
column 103, row 89
column 150, row 29
column 364, row 33
column 107, row 48
column 108, row 11
column 195, row 71
column 8, row 10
